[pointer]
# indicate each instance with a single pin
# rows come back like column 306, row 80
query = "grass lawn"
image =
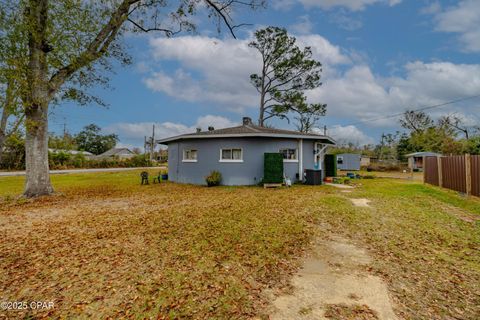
column 105, row 246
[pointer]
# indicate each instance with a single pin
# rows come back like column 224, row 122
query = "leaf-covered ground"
column 107, row 247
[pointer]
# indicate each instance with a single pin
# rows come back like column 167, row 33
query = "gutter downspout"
column 300, row 160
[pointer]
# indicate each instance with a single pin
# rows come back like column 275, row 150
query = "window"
column 289, row 155
column 231, row 155
column 189, row 155
column 339, row 160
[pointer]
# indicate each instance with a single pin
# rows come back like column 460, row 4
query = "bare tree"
column 457, row 124
column 416, row 121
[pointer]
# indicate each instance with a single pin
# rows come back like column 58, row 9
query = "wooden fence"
column 459, row 173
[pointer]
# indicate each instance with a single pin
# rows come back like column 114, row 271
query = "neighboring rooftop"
column 423, row 154
column 117, row 152
column 247, row 129
column 85, row 153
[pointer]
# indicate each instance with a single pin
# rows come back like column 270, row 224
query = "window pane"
column 226, row 154
column 190, row 155
column 289, row 154
column 237, row 154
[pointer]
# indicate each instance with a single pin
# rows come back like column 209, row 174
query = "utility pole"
column 325, row 130
column 152, row 143
column 64, row 128
column 145, row 145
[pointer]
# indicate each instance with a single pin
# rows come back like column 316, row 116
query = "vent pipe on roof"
column 247, row 121
column 199, row 130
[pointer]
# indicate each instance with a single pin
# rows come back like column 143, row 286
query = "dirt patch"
column 350, row 312
column 459, row 213
column 333, row 281
column 340, row 186
column 360, row 202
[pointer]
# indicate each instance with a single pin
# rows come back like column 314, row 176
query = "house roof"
column 423, row 154
column 116, row 152
column 85, row 153
column 248, row 130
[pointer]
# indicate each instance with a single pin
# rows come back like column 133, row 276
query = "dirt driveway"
column 334, row 283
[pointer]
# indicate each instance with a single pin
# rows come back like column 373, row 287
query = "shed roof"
column 248, row 130
column 423, row 154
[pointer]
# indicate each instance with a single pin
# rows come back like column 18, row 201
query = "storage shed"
column 415, row 160
column 348, row 161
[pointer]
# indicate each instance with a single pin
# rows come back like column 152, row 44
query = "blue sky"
column 380, row 57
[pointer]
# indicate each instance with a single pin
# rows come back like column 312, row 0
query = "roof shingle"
column 247, row 130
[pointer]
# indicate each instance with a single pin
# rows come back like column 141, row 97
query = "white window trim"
column 230, row 160
column 189, row 160
column 290, row 160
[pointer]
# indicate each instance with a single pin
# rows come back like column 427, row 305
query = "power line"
column 419, row 109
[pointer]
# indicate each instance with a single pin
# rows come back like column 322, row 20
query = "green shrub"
column 213, row 179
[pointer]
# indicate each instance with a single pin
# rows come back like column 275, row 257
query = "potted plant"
column 213, row 179
column 164, row 175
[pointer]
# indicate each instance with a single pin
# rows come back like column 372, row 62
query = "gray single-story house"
column 415, row 160
column 348, row 161
column 238, row 153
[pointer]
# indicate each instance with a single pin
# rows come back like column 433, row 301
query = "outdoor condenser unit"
column 313, row 177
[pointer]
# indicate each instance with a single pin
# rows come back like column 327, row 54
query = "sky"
column 379, row 57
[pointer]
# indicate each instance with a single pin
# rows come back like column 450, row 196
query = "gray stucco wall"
column 351, row 161
column 248, row 172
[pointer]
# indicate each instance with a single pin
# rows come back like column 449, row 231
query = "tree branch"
column 95, row 49
column 222, row 16
column 168, row 32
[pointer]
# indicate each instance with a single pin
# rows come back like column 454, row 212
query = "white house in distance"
column 86, row 154
column 120, row 153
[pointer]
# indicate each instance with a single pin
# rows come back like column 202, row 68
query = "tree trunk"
column 36, row 106
column 6, row 113
column 262, row 110
column 3, row 128
column 36, row 153
column 263, row 92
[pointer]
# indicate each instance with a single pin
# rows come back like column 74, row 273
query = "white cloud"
column 217, row 71
column 303, row 26
column 353, row 5
column 283, row 4
column 432, row 8
column 345, row 21
column 222, row 68
column 358, row 94
column 346, row 134
column 463, row 19
column 135, row 132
